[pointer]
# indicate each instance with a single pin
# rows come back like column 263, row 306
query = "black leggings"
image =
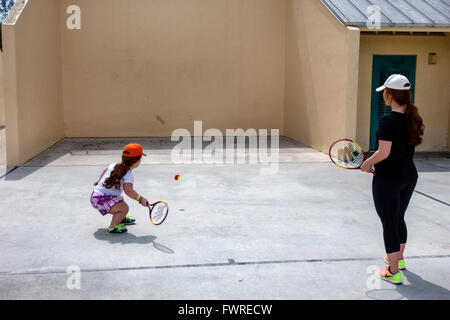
column 391, row 199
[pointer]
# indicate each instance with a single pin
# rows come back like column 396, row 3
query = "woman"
column 395, row 178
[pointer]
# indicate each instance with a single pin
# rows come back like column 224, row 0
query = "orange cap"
column 133, row 150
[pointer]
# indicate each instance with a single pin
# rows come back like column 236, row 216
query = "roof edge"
column 340, row 16
column 15, row 12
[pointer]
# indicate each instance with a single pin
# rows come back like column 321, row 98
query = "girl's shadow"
column 417, row 289
column 129, row 238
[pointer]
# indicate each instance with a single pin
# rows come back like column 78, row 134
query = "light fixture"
column 432, row 58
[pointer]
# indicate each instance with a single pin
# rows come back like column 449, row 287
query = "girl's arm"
column 103, row 172
column 383, row 152
column 129, row 191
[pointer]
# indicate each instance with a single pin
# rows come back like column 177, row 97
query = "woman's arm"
column 103, row 172
column 129, row 191
column 383, row 152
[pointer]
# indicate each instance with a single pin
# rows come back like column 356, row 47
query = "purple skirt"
column 104, row 202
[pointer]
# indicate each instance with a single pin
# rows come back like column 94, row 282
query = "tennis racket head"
column 158, row 212
column 347, row 154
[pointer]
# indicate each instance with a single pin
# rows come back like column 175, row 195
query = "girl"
column 117, row 178
column 395, row 178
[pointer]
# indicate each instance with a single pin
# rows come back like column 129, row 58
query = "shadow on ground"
column 129, row 238
column 417, row 289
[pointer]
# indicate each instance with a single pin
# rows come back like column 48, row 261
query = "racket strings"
column 159, row 212
column 347, row 154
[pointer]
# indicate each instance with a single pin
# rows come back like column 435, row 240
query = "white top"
column 128, row 178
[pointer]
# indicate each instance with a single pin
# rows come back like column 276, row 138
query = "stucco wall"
column 448, row 103
column 432, row 84
column 33, row 94
column 2, row 95
column 148, row 67
column 322, row 74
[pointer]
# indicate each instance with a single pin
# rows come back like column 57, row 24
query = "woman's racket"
column 158, row 212
column 347, row 154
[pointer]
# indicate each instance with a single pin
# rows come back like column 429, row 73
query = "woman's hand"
column 96, row 183
column 366, row 167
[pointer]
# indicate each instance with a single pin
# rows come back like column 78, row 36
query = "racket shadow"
column 129, row 238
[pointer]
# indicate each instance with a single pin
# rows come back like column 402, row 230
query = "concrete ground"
column 308, row 232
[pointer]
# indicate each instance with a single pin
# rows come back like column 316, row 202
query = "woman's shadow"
column 129, row 238
column 417, row 289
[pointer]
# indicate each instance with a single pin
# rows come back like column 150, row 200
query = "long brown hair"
column 416, row 128
column 119, row 171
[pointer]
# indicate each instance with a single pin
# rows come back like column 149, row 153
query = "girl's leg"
column 119, row 212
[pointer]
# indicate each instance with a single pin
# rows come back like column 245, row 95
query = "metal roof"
column 394, row 13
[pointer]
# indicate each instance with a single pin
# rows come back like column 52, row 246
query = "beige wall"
column 220, row 61
column 148, row 67
column 448, row 103
column 33, row 94
column 322, row 74
column 2, row 95
column 432, row 84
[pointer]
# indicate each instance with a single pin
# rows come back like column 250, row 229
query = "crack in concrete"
column 231, row 262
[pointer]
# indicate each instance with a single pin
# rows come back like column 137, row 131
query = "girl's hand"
column 366, row 167
column 96, row 183
column 144, row 202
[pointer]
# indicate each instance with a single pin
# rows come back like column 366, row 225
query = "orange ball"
column 177, row 177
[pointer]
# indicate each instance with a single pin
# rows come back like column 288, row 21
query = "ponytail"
column 416, row 127
column 414, row 121
column 119, row 171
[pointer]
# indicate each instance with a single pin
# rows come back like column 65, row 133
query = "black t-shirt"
column 399, row 164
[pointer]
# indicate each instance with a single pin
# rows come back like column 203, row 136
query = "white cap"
column 396, row 82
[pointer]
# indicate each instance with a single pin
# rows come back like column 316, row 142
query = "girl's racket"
column 347, row 154
column 158, row 212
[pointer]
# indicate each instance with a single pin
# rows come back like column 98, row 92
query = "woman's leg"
column 405, row 197
column 402, row 251
column 387, row 203
column 393, row 259
column 119, row 212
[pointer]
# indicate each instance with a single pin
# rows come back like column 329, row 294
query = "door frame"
column 391, row 64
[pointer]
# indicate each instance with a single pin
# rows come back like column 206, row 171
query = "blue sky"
column 4, row 14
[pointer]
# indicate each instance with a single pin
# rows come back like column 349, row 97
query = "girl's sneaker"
column 389, row 277
column 128, row 220
column 118, row 229
column 401, row 263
